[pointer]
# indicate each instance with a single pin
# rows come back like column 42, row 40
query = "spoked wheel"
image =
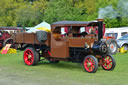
column 8, row 41
column 90, row 64
column 112, row 48
column 108, row 62
column 30, row 56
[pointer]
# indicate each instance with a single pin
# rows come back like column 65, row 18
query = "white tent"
column 43, row 24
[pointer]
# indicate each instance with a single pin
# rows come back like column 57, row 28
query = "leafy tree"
column 8, row 12
column 62, row 10
column 32, row 12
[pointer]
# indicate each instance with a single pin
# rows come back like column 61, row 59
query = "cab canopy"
column 75, row 23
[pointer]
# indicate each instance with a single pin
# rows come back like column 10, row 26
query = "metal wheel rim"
column 89, row 64
column 9, row 42
column 113, row 47
column 107, row 62
column 28, row 57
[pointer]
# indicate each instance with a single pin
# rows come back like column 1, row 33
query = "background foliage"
column 32, row 12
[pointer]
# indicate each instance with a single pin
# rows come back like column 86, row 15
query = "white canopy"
column 43, row 24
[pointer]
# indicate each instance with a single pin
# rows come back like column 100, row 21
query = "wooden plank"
column 5, row 49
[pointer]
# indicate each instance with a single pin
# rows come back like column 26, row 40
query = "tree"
column 62, row 10
column 26, row 16
column 32, row 12
column 8, row 12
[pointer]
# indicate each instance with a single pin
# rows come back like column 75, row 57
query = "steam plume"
column 109, row 12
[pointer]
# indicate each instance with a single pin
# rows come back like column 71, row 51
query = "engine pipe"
column 100, row 29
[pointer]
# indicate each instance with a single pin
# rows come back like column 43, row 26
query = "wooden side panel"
column 19, row 38
column 80, row 42
column 59, row 49
column 29, row 38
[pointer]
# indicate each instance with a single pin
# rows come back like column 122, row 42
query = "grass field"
column 14, row 72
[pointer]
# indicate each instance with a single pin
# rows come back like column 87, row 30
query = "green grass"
column 14, row 72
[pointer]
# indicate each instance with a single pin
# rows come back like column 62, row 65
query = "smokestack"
column 100, row 29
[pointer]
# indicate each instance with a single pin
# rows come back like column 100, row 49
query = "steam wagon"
column 6, row 33
column 75, row 46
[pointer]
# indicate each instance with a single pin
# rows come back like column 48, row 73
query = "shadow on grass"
column 62, row 65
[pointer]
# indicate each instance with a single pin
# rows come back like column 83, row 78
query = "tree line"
column 28, row 13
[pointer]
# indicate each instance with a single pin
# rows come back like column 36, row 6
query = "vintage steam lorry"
column 6, row 33
column 86, row 48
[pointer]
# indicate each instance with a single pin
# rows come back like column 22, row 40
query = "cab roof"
column 75, row 23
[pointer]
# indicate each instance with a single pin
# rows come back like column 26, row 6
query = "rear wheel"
column 108, row 62
column 8, row 41
column 112, row 46
column 30, row 56
column 90, row 64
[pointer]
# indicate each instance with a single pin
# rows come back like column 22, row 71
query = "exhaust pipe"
column 100, row 29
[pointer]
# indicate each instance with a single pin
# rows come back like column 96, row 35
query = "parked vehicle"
column 86, row 48
column 123, row 42
column 116, row 33
column 6, row 33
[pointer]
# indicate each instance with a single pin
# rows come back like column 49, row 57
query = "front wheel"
column 90, row 64
column 108, row 62
column 30, row 56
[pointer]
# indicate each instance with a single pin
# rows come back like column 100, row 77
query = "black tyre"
column 41, row 36
column 108, row 62
column 30, row 56
column 8, row 41
column 112, row 46
column 90, row 64
column 125, row 47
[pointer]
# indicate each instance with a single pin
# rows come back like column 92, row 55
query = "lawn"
column 14, row 72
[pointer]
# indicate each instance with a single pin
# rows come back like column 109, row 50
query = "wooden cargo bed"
column 29, row 38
